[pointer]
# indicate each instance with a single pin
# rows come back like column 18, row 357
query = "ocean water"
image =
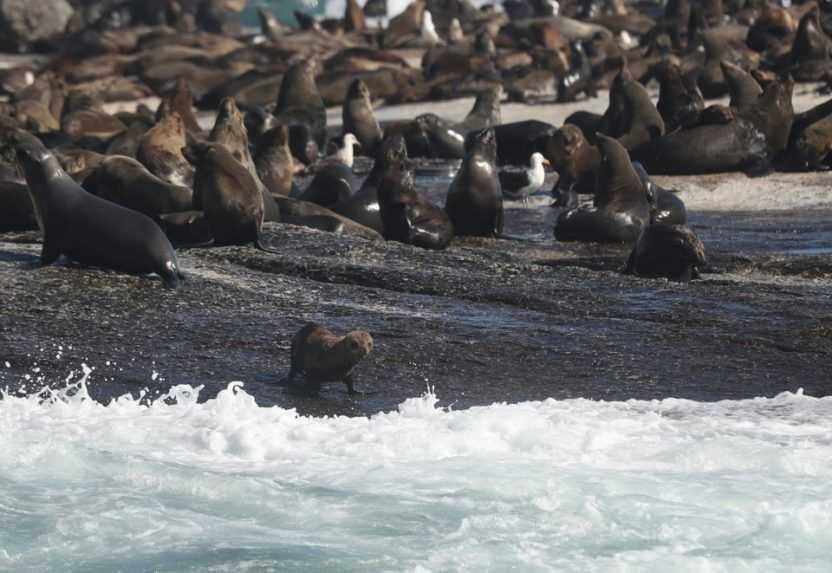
column 577, row 485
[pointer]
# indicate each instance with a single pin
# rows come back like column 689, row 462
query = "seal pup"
column 88, row 229
column 228, row 194
column 620, row 208
column 333, row 176
column 160, row 150
column 125, row 181
column 670, row 251
column 363, row 207
column 319, row 356
column 475, row 200
column 406, row 215
column 274, row 162
column 358, row 118
column 300, row 102
column 518, row 185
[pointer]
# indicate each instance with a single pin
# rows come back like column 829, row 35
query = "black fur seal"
column 621, row 208
column 407, row 216
column 320, row 356
column 475, row 200
column 125, row 181
column 89, row 229
column 228, row 194
column 670, row 251
column 358, row 118
column 518, row 140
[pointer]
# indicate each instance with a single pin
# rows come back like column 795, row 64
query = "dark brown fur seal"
column 475, row 200
column 125, row 181
column 408, row 217
column 228, row 194
column 742, row 86
column 576, row 162
column 274, row 162
column 620, row 208
column 160, row 151
column 87, row 228
column 485, row 113
column 306, row 214
column 358, row 118
column 299, row 101
column 670, row 251
column 680, row 100
column 631, row 117
column 320, row 356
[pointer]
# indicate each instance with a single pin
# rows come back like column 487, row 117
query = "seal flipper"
column 51, row 251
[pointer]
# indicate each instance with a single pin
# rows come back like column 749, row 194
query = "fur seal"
column 228, row 194
column 319, row 356
column 666, row 208
column 16, row 210
column 631, row 116
column 186, row 228
column 358, row 119
column 578, row 78
column 663, row 250
column 443, row 140
column 300, row 102
column 810, row 50
column 87, row 228
column 485, row 113
column 363, row 207
column 518, row 140
column 125, row 181
column 742, row 86
column 408, row 217
column 680, row 100
column 274, row 162
column 620, row 208
column 575, row 160
column 160, row 150
column 475, row 200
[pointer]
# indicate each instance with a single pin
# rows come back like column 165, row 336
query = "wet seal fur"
column 621, row 208
column 319, row 356
column 664, row 250
column 89, row 229
column 475, row 199
column 358, row 118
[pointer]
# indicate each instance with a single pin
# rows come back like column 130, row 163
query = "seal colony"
column 118, row 190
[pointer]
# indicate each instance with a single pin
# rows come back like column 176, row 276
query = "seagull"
column 429, row 34
column 519, row 185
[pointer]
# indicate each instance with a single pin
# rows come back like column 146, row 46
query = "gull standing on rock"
column 429, row 34
column 518, row 185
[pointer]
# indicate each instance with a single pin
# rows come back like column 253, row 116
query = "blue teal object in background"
column 283, row 9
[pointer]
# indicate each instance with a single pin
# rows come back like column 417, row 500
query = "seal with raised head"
column 742, row 86
column 485, row 113
column 125, row 181
column 228, row 194
column 89, row 229
column 620, row 209
column 475, row 200
column 358, row 118
column 576, row 162
column 333, row 181
column 363, row 206
column 407, row 216
column 680, row 100
column 160, row 151
column 319, row 356
column 274, row 162
column 299, row 102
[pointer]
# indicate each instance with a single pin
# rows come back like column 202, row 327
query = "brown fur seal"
column 680, row 100
column 160, row 151
column 358, row 118
column 182, row 102
column 125, row 181
column 576, row 162
column 810, row 50
column 274, row 162
column 620, row 208
column 87, row 228
column 306, row 214
column 631, row 117
column 485, row 113
column 320, row 356
column 475, row 200
column 671, row 251
column 300, row 102
column 228, row 194
column 742, row 86
column 408, row 217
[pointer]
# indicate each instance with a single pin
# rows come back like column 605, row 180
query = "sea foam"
column 577, row 485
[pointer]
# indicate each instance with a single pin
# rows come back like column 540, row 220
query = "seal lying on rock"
column 320, row 356
column 89, row 229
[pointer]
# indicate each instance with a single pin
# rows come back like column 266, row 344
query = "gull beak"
column 546, row 162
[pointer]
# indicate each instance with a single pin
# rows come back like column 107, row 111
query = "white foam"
column 572, row 485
